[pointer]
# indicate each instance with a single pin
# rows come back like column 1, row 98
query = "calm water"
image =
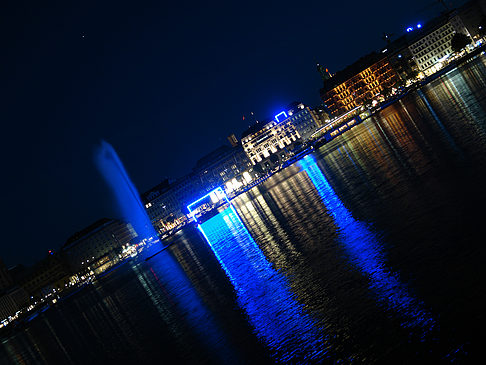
column 371, row 250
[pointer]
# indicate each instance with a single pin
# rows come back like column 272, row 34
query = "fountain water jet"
column 166, row 270
column 126, row 195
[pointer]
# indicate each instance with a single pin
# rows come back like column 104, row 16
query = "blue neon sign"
column 279, row 114
column 220, row 194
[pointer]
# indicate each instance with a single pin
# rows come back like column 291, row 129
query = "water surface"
column 369, row 250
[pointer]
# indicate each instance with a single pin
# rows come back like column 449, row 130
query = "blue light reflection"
column 277, row 318
column 363, row 249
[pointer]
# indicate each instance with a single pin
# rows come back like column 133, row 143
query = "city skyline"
column 74, row 79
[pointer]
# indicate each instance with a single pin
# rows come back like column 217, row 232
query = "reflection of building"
column 358, row 83
column 268, row 143
column 97, row 246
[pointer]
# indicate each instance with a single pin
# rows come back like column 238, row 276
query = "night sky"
column 164, row 83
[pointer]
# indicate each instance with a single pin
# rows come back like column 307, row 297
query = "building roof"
column 254, row 128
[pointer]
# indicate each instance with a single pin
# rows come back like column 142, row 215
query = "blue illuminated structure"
column 126, row 195
column 363, row 248
column 279, row 114
column 263, row 293
column 419, row 26
column 218, row 192
column 409, row 29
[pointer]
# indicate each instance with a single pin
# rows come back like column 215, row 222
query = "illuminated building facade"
column 305, row 120
column 11, row 302
column 166, row 207
column 97, row 246
column 434, row 45
column 269, row 143
column 226, row 166
column 162, row 206
column 358, row 83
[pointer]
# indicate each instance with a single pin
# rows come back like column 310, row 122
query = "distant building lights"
column 409, row 29
column 279, row 114
column 419, row 25
column 399, row 56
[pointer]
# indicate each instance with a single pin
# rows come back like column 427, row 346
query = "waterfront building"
column 11, row 302
column 321, row 112
column 228, row 167
column 6, row 280
column 472, row 14
column 97, row 247
column 161, row 206
column 46, row 276
column 304, row 119
column 166, row 206
column 401, row 58
column 358, row 83
column 267, row 144
column 433, row 45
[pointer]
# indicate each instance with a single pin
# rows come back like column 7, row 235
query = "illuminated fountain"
column 125, row 193
column 166, row 271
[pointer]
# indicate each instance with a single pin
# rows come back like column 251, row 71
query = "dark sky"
column 163, row 82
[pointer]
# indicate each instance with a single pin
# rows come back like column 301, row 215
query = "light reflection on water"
column 277, row 318
column 310, row 279
column 363, row 248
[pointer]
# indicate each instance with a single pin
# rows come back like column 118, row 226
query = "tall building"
column 358, row 83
